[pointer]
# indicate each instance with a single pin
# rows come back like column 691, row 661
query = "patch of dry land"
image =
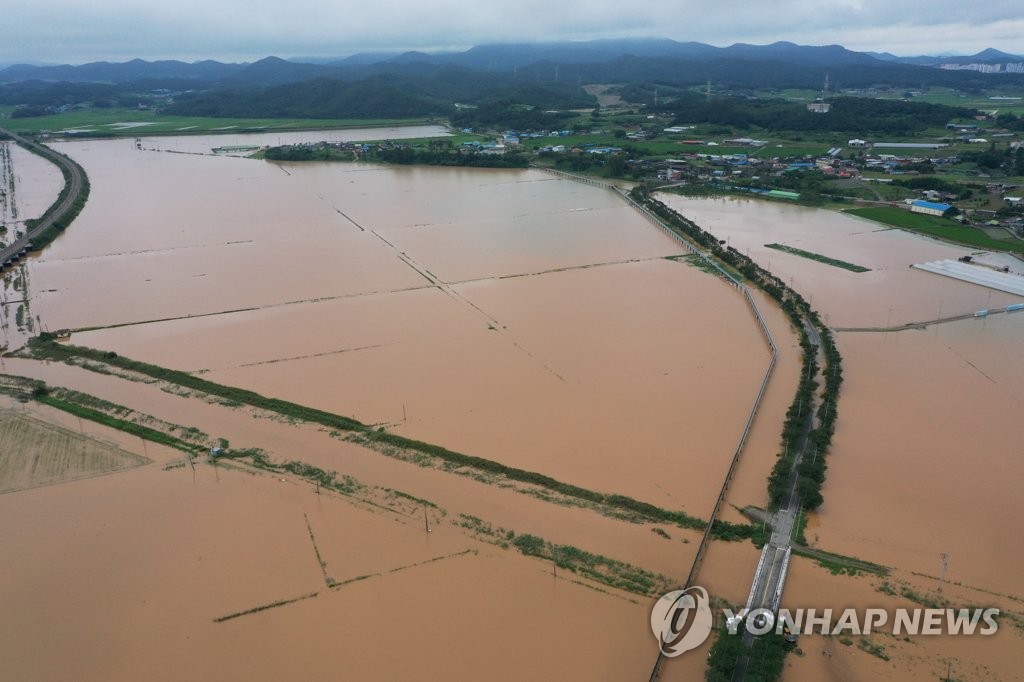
column 36, row 453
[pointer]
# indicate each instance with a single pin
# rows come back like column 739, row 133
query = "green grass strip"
column 44, row 347
column 934, row 226
column 264, row 607
column 818, row 257
column 119, row 424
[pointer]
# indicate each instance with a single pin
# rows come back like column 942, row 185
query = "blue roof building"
column 929, row 208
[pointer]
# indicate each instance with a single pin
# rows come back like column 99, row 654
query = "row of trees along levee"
column 811, row 471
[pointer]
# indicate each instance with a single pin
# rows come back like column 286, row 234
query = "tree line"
column 851, row 115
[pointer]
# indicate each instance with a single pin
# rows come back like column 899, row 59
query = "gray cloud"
column 73, row 31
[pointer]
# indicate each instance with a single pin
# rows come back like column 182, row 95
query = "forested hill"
column 518, row 86
column 383, row 96
column 852, row 115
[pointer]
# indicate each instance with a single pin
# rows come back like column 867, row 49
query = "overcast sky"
column 76, row 31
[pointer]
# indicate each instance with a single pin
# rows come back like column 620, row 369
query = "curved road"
column 58, row 210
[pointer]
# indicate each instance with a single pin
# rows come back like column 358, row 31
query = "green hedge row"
column 811, row 471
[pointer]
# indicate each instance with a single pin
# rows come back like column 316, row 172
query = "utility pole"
column 945, row 567
column 426, row 519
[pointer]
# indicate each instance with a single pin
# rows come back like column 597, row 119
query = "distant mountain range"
column 493, row 58
column 121, row 72
column 989, row 56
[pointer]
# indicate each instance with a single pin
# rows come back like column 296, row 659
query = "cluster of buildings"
column 1009, row 67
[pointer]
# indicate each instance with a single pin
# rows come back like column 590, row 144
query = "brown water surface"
column 891, row 293
column 509, row 314
column 924, row 443
column 127, row 574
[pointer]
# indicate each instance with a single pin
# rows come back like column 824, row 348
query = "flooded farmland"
column 890, row 293
column 492, row 312
column 173, row 600
column 925, row 459
column 28, row 184
column 511, row 315
column 923, row 444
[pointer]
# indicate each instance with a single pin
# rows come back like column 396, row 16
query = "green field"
column 933, row 95
column 104, row 121
column 943, row 228
column 954, row 98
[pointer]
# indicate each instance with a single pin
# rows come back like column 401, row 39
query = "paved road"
column 14, row 250
column 770, row 576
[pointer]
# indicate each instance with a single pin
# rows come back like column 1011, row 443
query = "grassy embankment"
column 94, row 410
column 818, row 257
column 934, row 226
column 622, row 506
column 61, row 222
column 597, row 567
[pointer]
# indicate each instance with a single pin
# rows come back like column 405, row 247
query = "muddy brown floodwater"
column 891, row 293
column 511, row 315
column 925, row 461
column 128, row 575
column 28, row 185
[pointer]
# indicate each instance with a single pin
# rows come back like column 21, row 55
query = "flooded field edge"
column 532, row 516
